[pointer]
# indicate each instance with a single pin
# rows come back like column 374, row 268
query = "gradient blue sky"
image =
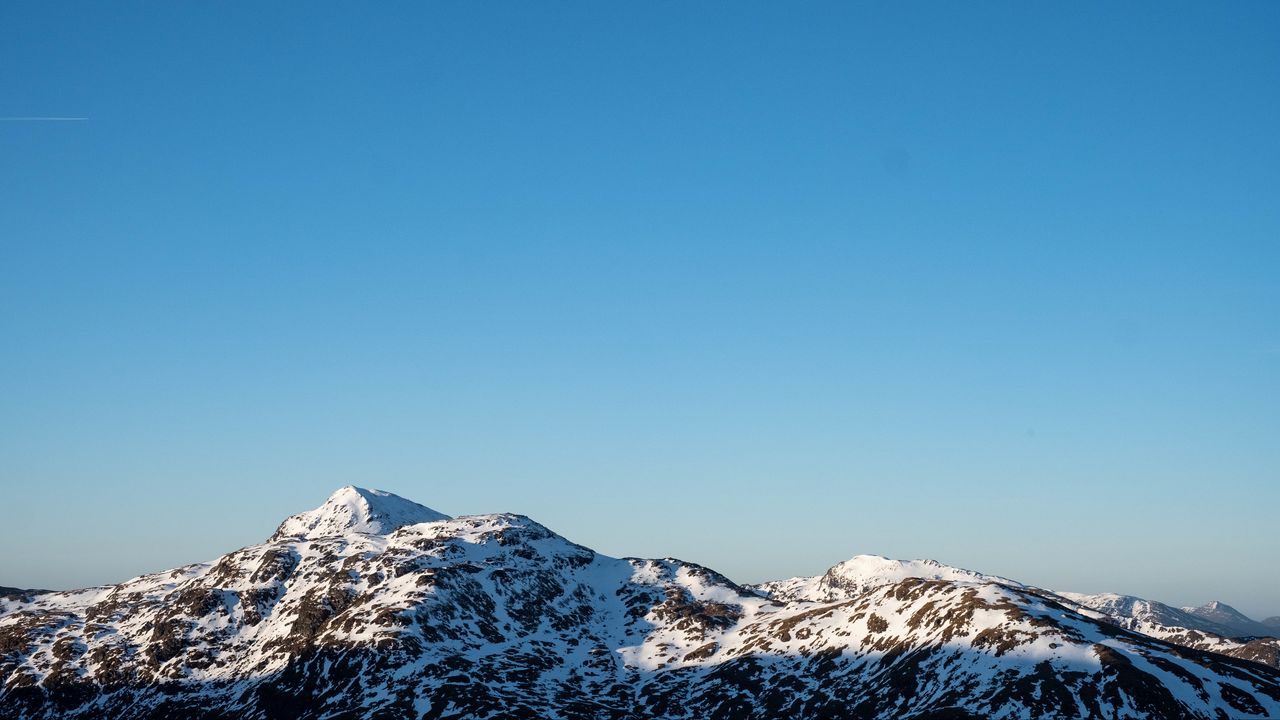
column 758, row 286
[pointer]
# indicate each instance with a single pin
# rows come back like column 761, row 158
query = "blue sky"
column 758, row 286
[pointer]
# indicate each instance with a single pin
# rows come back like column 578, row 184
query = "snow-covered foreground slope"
column 495, row 616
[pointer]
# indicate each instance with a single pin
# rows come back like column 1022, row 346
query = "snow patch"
column 356, row 510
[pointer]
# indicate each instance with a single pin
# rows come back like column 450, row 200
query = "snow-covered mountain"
column 1149, row 616
column 1196, row 628
column 356, row 510
column 1141, row 614
column 370, row 608
column 863, row 573
column 1237, row 623
column 1178, row 626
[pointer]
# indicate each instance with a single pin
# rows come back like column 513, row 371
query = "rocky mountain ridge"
column 1215, row 627
column 358, row 611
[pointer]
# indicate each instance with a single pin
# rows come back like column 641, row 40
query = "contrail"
column 43, row 119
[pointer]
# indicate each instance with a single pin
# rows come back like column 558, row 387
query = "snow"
column 863, row 573
column 461, row 588
column 356, row 510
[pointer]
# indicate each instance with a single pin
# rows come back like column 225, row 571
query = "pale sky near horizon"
column 759, row 286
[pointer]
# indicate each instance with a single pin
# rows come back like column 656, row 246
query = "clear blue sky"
column 758, row 286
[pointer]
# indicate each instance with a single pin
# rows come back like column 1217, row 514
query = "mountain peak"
column 1236, row 623
column 1215, row 608
column 863, row 573
column 866, row 571
column 352, row 509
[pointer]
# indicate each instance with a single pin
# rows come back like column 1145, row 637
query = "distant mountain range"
column 372, row 606
column 1232, row 620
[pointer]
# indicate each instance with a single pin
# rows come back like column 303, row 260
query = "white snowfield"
column 356, row 510
column 862, row 573
column 374, row 606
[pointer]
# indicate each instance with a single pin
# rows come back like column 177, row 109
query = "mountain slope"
column 495, row 616
column 1237, row 623
column 863, row 573
column 1149, row 616
column 1177, row 626
column 1140, row 614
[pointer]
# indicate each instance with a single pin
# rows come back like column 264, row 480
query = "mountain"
column 360, row 610
column 1237, row 623
column 863, row 573
column 6, row 591
column 1143, row 615
column 356, row 510
column 1177, row 626
column 1272, row 622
